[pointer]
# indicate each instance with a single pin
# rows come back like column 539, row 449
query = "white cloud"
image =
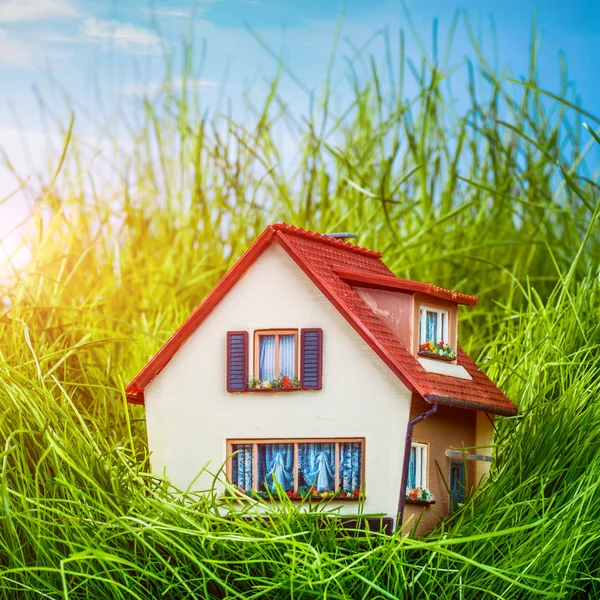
column 152, row 87
column 198, row 9
column 15, row 53
column 125, row 36
column 36, row 10
column 181, row 14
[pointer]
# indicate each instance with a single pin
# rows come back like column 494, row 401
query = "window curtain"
column 287, row 355
column 242, row 464
column 411, row 481
column 276, row 463
column 316, row 466
column 267, row 357
column 431, row 333
column 350, row 466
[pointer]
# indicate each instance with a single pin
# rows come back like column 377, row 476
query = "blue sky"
column 82, row 46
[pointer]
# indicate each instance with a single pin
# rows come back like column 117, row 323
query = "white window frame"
column 442, row 324
column 420, row 464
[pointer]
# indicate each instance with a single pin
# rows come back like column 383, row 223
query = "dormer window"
column 433, row 325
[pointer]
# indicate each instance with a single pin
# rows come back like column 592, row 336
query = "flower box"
column 419, row 495
column 301, row 495
column 282, row 384
column 439, row 350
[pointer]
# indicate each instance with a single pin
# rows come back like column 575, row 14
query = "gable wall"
column 190, row 415
column 395, row 309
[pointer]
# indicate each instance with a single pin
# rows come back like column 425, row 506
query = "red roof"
column 333, row 265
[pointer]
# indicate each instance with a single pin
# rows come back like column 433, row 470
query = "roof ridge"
column 325, row 239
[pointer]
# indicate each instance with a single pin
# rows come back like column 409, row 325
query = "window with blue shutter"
column 237, row 361
column 311, row 359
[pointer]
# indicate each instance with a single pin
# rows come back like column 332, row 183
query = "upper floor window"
column 283, row 359
column 417, row 466
column 275, row 354
column 433, row 325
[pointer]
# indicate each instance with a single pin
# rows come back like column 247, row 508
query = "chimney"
column 344, row 235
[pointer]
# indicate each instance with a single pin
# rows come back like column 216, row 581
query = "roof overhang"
column 393, row 284
column 470, row 405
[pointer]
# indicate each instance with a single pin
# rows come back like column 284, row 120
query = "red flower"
column 286, row 383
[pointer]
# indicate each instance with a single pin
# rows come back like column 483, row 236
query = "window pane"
column 417, row 466
column 431, row 333
column 275, row 463
column 316, row 466
column 411, row 482
column 350, row 469
column 242, row 465
column 267, row 357
column 287, row 355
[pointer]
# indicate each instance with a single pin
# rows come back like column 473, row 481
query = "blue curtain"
column 287, row 355
column 276, row 463
column 242, row 464
column 267, row 357
column 411, row 482
column 350, row 466
column 316, row 466
column 431, row 327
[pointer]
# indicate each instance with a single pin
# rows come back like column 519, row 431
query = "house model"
column 312, row 367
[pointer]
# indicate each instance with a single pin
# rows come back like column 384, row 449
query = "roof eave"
column 395, row 284
column 135, row 397
column 471, row 405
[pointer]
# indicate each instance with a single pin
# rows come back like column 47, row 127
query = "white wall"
column 190, row 414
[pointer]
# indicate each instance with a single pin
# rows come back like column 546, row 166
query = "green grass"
column 495, row 200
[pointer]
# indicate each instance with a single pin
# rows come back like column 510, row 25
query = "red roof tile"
column 331, row 263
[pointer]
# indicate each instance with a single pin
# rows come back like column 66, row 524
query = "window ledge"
column 305, row 500
column 421, row 502
column 435, row 356
column 268, row 390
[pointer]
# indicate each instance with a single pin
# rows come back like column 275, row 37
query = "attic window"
column 275, row 354
column 433, row 325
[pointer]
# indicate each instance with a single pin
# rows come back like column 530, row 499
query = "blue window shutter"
column 237, row 361
column 311, row 359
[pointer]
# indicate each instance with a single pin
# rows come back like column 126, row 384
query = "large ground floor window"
column 317, row 467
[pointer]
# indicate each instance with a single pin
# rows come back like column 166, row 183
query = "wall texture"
column 449, row 428
column 190, row 415
column 484, row 440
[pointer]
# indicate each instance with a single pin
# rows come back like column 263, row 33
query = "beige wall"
column 446, row 429
column 484, row 440
column 190, row 415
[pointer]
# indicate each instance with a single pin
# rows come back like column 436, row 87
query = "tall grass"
column 494, row 200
